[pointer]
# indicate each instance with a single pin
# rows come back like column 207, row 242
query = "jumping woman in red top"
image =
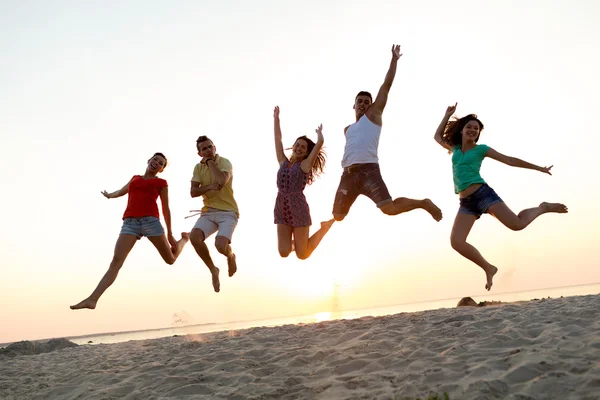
column 141, row 218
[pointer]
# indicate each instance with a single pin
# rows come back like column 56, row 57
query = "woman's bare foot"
column 231, row 265
column 489, row 274
column 326, row 225
column 87, row 303
column 432, row 209
column 554, row 207
column 215, row 279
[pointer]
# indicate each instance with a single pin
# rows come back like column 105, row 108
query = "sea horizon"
column 372, row 311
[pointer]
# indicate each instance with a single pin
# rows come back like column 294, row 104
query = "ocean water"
column 116, row 337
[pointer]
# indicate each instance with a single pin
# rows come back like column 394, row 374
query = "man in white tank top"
column 360, row 162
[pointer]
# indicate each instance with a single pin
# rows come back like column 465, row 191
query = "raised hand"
column 276, row 112
column 319, row 131
column 546, row 170
column 396, row 51
column 105, row 194
column 450, row 110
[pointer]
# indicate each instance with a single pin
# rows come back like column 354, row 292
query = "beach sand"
column 541, row 349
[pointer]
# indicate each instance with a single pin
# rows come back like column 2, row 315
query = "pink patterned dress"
column 291, row 207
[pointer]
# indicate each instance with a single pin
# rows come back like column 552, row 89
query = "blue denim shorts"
column 479, row 201
column 145, row 226
column 360, row 179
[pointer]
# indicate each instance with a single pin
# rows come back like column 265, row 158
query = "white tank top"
column 362, row 141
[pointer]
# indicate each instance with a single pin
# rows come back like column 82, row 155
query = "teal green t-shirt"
column 466, row 166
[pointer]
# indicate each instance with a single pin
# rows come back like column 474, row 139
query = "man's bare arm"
column 382, row 96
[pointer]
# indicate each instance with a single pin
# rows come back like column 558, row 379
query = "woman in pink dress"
column 292, row 214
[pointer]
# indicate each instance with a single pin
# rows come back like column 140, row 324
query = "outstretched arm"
column 121, row 192
column 516, row 162
column 164, row 200
column 381, row 99
column 278, row 143
column 309, row 161
column 442, row 127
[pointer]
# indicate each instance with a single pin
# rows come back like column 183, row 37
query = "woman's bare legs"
column 517, row 222
column 458, row 239
column 124, row 245
column 304, row 245
column 284, row 239
column 168, row 253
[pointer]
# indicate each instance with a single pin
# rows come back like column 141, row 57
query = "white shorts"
column 222, row 222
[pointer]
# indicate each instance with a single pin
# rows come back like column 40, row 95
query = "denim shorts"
column 144, row 226
column 213, row 220
column 360, row 179
column 479, row 201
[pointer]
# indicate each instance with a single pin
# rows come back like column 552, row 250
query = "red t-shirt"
column 142, row 197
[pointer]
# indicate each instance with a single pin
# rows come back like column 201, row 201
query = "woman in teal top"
column 460, row 137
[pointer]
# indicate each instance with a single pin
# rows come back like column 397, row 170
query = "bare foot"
column 554, row 207
column 432, row 209
column 215, row 279
column 87, row 303
column 489, row 274
column 231, row 265
column 326, row 225
column 185, row 236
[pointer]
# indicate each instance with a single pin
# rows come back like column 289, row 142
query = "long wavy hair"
column 453, row 133
column 319, row 164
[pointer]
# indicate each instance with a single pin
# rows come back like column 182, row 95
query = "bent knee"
column 170, row 261
column 339, row 217
column 516, row 226
column 196, row 236
column 284, row 252
column 302, row 255
column 221, row 245
column 457, row 244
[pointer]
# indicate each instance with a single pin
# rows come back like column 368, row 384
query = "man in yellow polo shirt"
column 212, row 180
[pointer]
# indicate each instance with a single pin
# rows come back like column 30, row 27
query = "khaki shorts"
column 222, row 222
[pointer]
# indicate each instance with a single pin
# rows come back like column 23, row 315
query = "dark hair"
column 364, row 93
column 163, row 156
column 453, row 133
column 319, row 164
column 201, row 139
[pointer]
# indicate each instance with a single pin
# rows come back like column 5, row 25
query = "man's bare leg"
column 197, row 239
column 223, row 247
column 122, row 248
column 403, row 204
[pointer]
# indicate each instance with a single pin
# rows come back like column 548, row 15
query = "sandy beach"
column 541, row 349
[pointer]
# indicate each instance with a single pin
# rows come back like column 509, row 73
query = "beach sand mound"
column 28, row 348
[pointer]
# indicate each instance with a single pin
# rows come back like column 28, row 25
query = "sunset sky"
column 91, row 90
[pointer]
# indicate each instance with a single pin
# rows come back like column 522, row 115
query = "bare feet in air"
column 215, row 279
column 432, row 209
column 326, row 225
column 489, row 274
column 87, row 303
column 554, row 207
column 231, row 265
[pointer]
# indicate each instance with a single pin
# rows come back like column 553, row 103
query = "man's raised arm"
column 382, row 96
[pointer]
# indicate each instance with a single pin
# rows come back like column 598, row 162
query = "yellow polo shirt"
column 220, row 199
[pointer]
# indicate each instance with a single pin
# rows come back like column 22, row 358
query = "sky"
column 90, row 90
